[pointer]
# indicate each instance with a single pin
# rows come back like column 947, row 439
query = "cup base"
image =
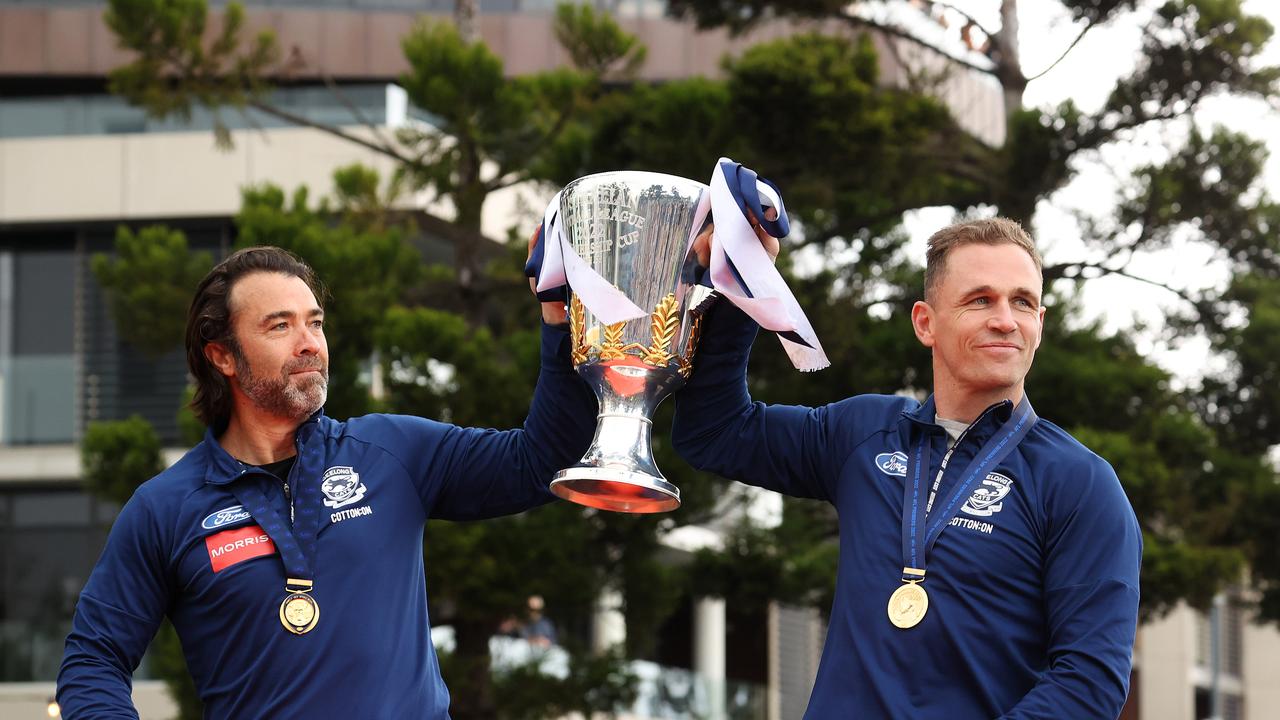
column 616, row 490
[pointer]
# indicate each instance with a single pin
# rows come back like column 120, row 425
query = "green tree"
column 179, row 65
column 143, row 311
column 116, row 457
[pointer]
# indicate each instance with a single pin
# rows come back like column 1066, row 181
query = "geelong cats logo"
column 986, row 498
column 341, row 486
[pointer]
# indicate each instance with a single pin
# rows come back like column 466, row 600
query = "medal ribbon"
column 921, row 528
column 297, row 541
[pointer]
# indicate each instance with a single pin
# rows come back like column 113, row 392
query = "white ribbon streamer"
column 561, row 264
column 770, row 302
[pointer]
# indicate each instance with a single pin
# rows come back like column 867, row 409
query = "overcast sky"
column 1087, row 76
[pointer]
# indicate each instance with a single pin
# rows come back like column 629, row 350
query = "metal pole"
column 1215, row 659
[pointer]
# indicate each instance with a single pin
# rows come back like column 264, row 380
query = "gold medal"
column 907, row 605
column 299, row 612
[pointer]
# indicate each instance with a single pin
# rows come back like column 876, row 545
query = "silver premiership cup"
column 633, row 229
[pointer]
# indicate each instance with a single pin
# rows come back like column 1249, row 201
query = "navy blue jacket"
column 183, row 547
column 1033, row 587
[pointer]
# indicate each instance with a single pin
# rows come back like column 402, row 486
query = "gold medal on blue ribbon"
column 921, row 525
column 299, row 612
column 907, row 605
column 295, row 541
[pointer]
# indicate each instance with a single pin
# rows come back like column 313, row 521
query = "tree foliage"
column 180, row 65
column 596, row 44
column 117, row 457
column 489, row 131
column 593, row 683
column 151, row 273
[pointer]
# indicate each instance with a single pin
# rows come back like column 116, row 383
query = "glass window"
column 50, row 509
column 109, row 114
column 50, row 546
column 44, row 302
column 39, row 393
column 1232, row 638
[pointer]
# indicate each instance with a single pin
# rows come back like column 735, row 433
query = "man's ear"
column 1040, row 335
column 221, row 357
column 922, row 322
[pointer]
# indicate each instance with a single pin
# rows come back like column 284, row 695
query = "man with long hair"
column 287, row 546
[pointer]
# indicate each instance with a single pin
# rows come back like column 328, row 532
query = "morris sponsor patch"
column 234, row 546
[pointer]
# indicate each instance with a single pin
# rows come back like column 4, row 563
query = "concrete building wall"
column 1261, row 672
column 1174, row 663
column 160, row 174
column 171, row 175
column 1165, row 658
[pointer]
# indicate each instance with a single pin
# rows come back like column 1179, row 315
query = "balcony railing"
column 663, row 693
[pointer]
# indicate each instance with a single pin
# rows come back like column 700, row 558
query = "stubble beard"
column 281, row 395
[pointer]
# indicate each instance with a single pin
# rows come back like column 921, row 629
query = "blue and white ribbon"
column 740, row 269
column 743, row 272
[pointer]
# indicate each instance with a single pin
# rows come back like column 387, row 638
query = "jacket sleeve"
column 474, row 473
column 1092, row 558
column 116, row 617
column 717, row 427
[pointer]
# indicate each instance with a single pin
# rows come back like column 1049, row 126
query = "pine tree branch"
column 1095, row 137
column 302, row 121
column 506, row 178
column 1087, row 27
column 1075, row 271
column 971, row 19
column 861, row 22
column 355, row 111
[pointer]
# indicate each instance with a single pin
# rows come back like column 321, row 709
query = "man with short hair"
column 287, row 546
column 988, row 561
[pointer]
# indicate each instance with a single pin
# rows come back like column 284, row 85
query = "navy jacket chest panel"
column 994, row 538
column 359, row 535
column 379, row 509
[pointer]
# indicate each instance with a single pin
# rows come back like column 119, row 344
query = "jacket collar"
column 222, row 468
column 926, row 415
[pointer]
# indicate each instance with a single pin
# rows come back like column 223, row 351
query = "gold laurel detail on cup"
column 663, row 327
column 611, row 348
column 577, row 325
column 691, row 345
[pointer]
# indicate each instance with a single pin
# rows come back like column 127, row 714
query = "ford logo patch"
column 225, row 517
column 894, row 463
